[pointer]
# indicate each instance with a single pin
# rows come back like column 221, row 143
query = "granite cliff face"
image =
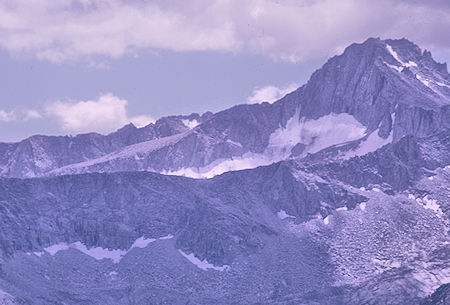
column 336, row 194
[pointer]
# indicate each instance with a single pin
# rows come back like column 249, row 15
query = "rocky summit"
column 338, row 193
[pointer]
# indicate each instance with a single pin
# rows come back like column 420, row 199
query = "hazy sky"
column 72, row 66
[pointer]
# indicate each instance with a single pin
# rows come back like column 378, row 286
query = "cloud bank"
column 290, row 30
column 106, row 114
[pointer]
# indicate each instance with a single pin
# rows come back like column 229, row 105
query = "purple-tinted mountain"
column 345, row 198
column 389, row 87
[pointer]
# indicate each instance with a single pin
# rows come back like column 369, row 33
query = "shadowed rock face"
column 386, row 85
column 361, row 220
column 114, row 210
column 440, row 296
column 397, row 165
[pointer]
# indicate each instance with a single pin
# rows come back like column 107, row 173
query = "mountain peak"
column 384, row 88
column 129, row 126
column 400, row 52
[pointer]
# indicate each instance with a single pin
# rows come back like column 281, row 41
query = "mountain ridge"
column 370, row 81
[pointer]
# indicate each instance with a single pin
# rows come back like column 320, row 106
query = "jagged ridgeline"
column 338, row 193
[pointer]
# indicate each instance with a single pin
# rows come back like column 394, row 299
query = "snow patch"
column 398, row 69
column 317, row 134
column 375, row 189
column 246, row 161
column 411, row 196
column 442, row 84
column 430, row 204
column 424, row 81
column 371, row 144
column 234, row 143
column 393, row 53
column 397, row 58
column 410, row 64
column 100, row 253
column 326, row 220
column 283, row 215
column 52, row 250
column 362, row 206
column 203, row 264
column 141, row 242
column 342, row 209
column 170, row 236
column 191, row 124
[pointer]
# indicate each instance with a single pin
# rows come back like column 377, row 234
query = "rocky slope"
column 39, row 154
column 295, row 231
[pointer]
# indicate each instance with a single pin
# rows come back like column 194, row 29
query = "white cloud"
column 6, row 116
column 61, row 30
column 283, row 29
column 141, row 120
column 19, row 115
column 269, row 93
column 29, row 114
column 104, row 115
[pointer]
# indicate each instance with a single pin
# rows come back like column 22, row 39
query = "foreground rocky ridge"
column 338, row 237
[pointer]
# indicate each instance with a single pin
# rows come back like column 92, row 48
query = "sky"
column 77, row 66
